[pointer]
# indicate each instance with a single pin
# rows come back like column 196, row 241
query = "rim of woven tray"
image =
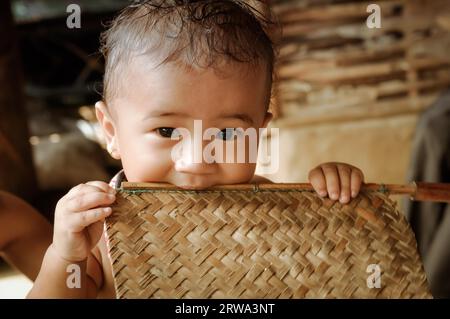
column 136, row 188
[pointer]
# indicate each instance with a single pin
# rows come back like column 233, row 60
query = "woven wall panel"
column 265, row 244
column 330, row 58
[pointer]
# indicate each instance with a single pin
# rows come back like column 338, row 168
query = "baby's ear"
column 108, row 128
column 267, row 118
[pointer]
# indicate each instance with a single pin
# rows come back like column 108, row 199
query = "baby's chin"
column 194, row 187
column 196, row 182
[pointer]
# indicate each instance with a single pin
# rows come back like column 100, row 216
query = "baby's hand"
column 79, row 217
column 339, row 180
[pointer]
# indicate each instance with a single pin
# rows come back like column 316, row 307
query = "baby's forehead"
column 174, row 90
column 145, row 74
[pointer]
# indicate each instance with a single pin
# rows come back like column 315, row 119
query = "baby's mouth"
column 196, row 183
column 192, row 187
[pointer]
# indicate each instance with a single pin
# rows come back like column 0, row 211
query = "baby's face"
column 154, row 103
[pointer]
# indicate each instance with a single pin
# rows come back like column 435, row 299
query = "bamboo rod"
column 419, row 191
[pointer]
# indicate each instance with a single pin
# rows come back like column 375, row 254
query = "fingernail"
column 322, row 193
column 334, row 196
column 353, row 194
column 343, row 199
column 107, row 209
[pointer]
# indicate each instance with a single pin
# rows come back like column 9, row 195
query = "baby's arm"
column 79, row 218
column 24, row 235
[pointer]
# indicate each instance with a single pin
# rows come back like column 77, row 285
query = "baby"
column 169, row 63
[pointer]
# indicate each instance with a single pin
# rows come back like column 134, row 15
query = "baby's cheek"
column 147, row 165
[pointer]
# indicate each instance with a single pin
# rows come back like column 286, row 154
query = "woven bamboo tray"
column 251, row 242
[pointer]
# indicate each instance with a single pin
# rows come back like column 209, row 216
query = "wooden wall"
column 346, row 92
column 330, row 58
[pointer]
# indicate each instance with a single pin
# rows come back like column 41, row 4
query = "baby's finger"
column 83, row 189
column 357, row 178
column 81, row 220
column 344, row 177
column 332, row 180
column 75, row 190
column 102, row 186
column 317, row 180
column 87, row 201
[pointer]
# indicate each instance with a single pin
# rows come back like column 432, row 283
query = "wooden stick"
column 419, row 191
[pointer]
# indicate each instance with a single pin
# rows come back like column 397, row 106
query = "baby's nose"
column 190, row 167
column 191, row 161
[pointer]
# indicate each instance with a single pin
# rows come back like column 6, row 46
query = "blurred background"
column 376, row 98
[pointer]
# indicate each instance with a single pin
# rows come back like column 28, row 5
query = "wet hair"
column 197, row 33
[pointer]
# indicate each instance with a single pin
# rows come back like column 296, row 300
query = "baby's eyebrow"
column 241, row 116
column 163, row 114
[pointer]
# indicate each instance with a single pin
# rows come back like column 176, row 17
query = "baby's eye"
column 166, row 131
column 226, row 134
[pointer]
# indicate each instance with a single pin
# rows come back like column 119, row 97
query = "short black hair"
column 199, row 33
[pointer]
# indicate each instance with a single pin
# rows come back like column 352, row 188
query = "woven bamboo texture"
column 331, row 65
column 260, row 244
